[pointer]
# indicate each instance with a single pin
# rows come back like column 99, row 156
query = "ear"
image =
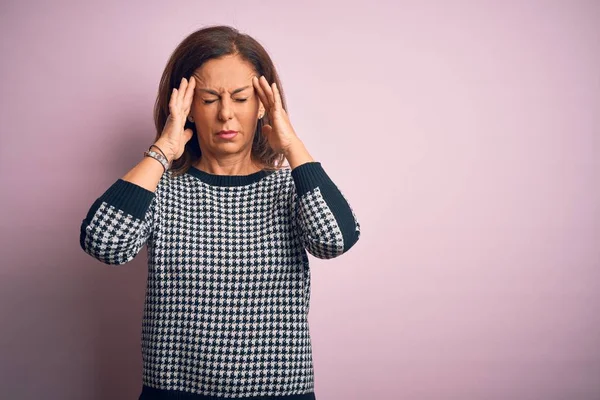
column 261, row 110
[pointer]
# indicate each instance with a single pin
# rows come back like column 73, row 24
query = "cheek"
column 203, row 115
column 248, row 119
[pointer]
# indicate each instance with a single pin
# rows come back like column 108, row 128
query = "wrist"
column 165, row 150
column 297, row 154
column 294, row 145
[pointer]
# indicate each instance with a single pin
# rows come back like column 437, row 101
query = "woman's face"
column 225, row 99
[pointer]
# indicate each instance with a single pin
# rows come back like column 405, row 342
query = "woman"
column 227, row 228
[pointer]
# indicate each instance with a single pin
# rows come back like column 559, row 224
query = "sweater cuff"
column 128, row 197
column 308, row 176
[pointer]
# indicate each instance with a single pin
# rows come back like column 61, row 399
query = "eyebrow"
column 217, row 94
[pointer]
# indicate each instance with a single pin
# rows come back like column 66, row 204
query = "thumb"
column 187, row 134
column 266, row 131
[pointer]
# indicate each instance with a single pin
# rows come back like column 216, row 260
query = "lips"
column 227, row 134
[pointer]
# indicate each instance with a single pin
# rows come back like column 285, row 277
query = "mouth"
column 227, row 134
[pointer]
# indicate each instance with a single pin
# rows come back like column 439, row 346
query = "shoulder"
column 280, row 176
column 280, row 184
column 168, row 181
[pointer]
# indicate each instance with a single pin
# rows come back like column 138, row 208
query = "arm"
column 322, row 216
column 120, row 221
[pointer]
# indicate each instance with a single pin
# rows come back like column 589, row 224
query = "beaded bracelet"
column 158, row 157
column 153, row 145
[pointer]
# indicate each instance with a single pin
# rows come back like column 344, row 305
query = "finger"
column 189, row 94
column 181, row 94
column 188, row 133
column 264, row 97
column 266, row 131
column 173, row 100
column 277, row 96
column 267, row 90
column 260, row 92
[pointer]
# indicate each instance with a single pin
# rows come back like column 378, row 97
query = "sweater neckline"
column 228, row 180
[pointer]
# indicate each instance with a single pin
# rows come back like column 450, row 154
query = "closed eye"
column 212, row 101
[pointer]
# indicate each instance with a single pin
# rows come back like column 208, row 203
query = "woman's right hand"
column 173, row 138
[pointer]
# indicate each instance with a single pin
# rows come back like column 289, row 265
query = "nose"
column 226, row 110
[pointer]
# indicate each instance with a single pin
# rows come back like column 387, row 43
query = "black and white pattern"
column 226, row 310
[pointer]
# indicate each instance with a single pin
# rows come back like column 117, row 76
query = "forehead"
column 228, row 72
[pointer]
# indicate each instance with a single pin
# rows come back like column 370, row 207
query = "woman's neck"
column 224, row 167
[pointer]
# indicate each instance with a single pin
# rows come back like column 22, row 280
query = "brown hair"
column 203, row 45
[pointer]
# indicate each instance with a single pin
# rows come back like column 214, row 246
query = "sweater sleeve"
column 322, row 216
column 119, row 223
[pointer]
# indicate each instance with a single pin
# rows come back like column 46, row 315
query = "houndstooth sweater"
column 228, row 289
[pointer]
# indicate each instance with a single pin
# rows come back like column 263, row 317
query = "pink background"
column 465, row 135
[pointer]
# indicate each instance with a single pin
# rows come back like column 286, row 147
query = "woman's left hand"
column 281, row 135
